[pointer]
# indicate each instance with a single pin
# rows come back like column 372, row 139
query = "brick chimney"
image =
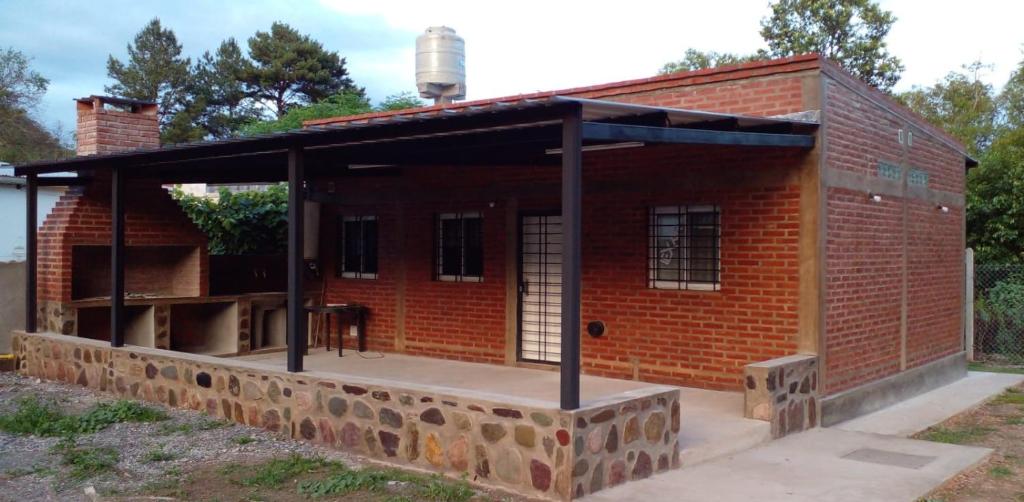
column 112, row 125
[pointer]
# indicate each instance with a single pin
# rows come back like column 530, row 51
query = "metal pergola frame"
column 517, row 133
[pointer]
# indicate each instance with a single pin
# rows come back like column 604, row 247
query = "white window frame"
column 358, row 275
column 684, row 283
column 439, row 264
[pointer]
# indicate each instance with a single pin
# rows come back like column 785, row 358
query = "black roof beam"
column 616, row 132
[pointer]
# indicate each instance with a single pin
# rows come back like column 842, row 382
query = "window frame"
column 439, row 246
column 684, row 247
column 342, row 240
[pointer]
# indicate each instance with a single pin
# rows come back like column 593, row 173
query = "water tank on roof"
column 441, row 65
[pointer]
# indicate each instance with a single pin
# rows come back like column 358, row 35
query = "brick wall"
column 104, row 127
column 880, row 255
column 697, row 338
column 82, row 217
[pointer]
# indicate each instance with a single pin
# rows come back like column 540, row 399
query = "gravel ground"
column 30, row 472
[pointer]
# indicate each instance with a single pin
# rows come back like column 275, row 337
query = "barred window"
column 460, row 249
column 357, row 247
column 684, row 247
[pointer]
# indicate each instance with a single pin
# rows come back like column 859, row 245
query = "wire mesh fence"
column 999, row 313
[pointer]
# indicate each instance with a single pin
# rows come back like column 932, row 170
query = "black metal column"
column 31, row 251
column 572, row 164
column 296, row 312
column 117, row 258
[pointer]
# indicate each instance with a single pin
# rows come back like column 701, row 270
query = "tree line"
column 281, row 78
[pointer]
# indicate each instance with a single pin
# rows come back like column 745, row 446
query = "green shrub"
column 244, row 223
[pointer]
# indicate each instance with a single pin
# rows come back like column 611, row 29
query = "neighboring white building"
column 12, row 210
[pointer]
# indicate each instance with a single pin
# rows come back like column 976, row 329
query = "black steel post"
column 117, row 258
column 572, row 174
column 296, row 309
column 31, row 251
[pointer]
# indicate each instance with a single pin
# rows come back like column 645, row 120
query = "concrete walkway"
column 921, row 412
column 861, row 460
column 713, row 426
column 819, row 465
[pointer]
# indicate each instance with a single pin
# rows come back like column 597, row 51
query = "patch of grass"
column 34, row 417
column 1018, row 420
column 21, row 471
column 104, row 415
column 345, row 481
column 84, row 462
column 1000, row 472
column 978, row 366
column 205, row 424
column 1012, row 395
column 243, row 440
column 274, row 473
column 442, row 490
column 44, row 418
column 159, row 455
column 959, row 435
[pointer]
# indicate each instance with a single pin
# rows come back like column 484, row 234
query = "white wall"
column 12, row 218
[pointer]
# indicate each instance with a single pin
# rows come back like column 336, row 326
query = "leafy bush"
column 1003, row 308
column 241, row 223
column 44, row 419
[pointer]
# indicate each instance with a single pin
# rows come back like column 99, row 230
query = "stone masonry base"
column 528, row 447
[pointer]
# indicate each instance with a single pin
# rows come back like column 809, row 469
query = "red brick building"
column 698, row 258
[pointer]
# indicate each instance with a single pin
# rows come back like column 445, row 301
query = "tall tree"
column 290, row 69
column 694, row 59
column 155, row 71
column 22, row 138
column 961, row 104
column 219, row 93
column 849, row 32
column 1011, row 100
column 400, row 101
column 21, row 87
column 995, row 201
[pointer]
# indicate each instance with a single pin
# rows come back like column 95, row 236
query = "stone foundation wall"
column 524, row 447
column 624, row 441
column 783, row 391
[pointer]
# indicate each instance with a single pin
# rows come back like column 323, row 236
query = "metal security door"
column 540, row 288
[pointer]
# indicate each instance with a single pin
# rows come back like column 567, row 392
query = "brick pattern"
column 935, row 269
column 863, row 280
column 865, row 245
column 697, row 338
column 82, row 217
column 763, row 96
column 103, row 131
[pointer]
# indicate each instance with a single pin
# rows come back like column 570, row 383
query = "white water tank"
column 441, row 65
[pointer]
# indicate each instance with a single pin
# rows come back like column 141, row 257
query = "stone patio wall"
column 522, row 446
column 783, row 391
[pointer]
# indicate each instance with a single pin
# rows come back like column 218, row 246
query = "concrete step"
column 712, row 426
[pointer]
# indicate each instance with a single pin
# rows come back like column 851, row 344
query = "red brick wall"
column 101, row 130
column 775, row 95
column 865, row 243
column 681, row 337
column 82, row 217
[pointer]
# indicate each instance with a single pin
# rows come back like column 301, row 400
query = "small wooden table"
column 352, row 312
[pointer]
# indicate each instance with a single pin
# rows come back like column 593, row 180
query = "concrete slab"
column 712, row 425
column 930, row 408
column 525, row 383
column 809, row 467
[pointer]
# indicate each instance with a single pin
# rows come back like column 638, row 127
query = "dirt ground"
column 999, row 424
column 189, row 456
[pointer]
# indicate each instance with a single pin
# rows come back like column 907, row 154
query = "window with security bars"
column 357, row 249
column 684, row 247
column 460, row 247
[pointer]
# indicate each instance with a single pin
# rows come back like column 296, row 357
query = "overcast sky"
column 511, row 47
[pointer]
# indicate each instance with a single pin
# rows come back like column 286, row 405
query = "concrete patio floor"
column 865, row 459
column 712, row 421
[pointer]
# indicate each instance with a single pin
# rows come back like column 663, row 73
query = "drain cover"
column 886, row 457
